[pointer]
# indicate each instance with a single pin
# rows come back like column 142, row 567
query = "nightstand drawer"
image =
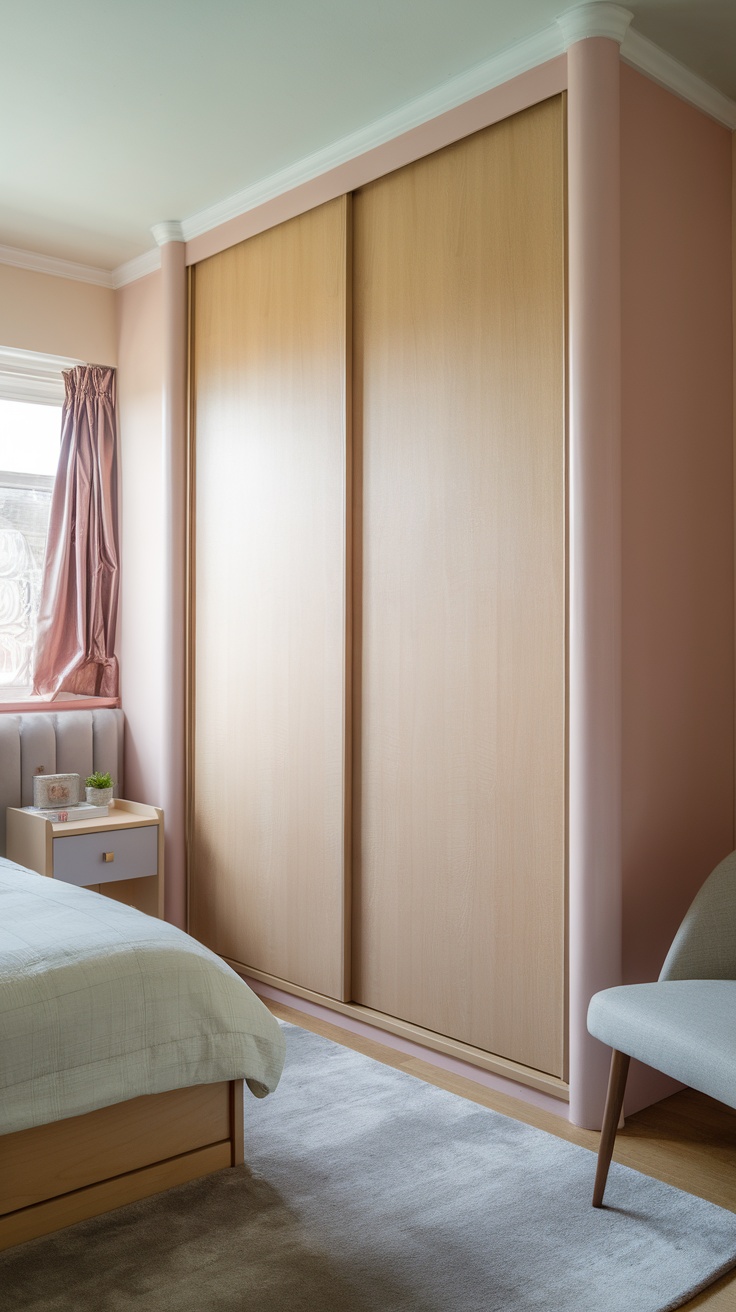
column 81, row 858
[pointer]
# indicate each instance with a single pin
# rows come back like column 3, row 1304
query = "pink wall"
column 141, row 628
column 57, row 316
column 678, row 590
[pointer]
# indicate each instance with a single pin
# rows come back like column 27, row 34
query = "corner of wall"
column 141, row 631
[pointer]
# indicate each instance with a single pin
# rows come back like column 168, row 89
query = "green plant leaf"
column 98, row 780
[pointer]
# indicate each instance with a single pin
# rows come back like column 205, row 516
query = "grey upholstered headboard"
column 61, row 742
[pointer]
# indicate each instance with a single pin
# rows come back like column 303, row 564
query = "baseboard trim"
column 512, row 1073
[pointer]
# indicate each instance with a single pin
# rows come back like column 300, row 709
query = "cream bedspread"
column 99, row 1003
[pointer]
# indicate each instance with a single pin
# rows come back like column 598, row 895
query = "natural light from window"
column 29, row 437
column 29, row 453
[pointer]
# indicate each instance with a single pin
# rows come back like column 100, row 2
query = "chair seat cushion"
column 684, row 1027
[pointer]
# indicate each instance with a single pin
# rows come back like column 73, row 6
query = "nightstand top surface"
column 121, row 815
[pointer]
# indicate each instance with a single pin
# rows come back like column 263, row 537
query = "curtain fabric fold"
column 75, row 635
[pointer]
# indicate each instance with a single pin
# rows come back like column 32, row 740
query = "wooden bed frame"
column 54, row 1175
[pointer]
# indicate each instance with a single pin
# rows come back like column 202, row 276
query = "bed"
column 124, row 1045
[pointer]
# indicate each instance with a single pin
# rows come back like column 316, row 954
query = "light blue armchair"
column 684, row 1025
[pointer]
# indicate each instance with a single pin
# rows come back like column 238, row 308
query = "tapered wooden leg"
column 614, row 1102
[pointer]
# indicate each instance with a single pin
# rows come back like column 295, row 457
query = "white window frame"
column 30, row 376
column 37, row 379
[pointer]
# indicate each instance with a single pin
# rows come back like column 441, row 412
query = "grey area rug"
column 367, row 1190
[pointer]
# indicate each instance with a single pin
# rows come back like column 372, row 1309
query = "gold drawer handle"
column 108, row 856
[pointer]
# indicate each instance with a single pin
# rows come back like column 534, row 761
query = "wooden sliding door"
column 268, row 774
column 379, row 618
column 459, row 808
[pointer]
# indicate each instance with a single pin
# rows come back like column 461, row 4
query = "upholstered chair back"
column 704, row 946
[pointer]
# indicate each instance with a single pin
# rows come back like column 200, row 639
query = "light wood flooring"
column 688, row 1140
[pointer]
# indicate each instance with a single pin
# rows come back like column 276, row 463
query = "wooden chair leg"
column 614, row 1102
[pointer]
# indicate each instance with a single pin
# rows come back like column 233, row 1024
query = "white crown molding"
column 642, row 54
column 137, row 268
column 169, row 230
column 576, row 24
column 50, row 264
column 598, row 19
column 516, row 59
column 30, row 376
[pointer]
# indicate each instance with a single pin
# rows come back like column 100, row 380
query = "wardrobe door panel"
column 459, row 840
column 268, row 831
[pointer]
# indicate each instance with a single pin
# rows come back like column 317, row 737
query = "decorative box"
column 54, row 791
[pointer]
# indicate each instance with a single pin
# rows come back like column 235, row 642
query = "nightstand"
column 120, row 855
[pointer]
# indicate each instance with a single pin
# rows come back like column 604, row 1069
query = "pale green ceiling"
column 118, row 115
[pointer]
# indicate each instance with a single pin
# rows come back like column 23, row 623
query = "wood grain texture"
column 614, row 1102
column 270, row 726
column 459, row 550
column 55, row 1159
column 237, row 1123
column 57, row 1213
column 121, row 815
column 29, row 841
column 143, row 894
column 488, row 1061
column 54, row 1175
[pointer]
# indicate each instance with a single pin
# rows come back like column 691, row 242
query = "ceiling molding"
column 578, row 23
column 644, row 55
column 50, row 264
column 169, row 230
column 597, row 19
column 137, row 268
column 516, row 59
column 587, row 20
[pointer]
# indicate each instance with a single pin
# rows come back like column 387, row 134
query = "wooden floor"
column 688, row 1140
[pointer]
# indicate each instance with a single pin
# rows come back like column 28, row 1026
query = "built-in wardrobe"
column 377, row 689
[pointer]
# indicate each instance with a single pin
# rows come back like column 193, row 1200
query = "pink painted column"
column 595, row 553
column 733, row 347
column 173, row 747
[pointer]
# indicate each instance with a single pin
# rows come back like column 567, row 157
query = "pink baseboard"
column 366, row 1031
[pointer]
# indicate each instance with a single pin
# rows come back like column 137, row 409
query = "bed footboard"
column 54, row 1175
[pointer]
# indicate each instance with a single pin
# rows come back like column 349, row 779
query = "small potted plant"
column 98, row 789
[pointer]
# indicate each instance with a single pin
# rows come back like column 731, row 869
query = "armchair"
column 685, row 1024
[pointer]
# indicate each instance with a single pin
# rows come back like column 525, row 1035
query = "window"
column 31, row 395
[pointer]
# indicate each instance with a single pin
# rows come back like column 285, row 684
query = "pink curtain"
column 75, row 636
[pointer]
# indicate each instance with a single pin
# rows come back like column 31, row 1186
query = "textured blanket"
column 100, row 1003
